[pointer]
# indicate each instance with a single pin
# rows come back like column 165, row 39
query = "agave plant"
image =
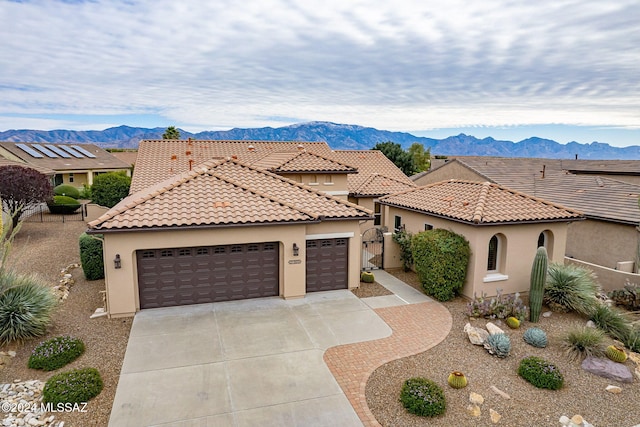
column 571, row 288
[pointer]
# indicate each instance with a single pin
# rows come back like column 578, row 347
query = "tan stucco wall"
column 122, row 286
column 603, row 243
column 608, row 278
column 367, row 203
column 448, row 171
column 334, row 184
column 521, row 246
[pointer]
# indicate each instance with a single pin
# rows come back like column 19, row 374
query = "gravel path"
column 582, row 394
column 45, row 249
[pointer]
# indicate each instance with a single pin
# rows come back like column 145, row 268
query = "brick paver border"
column 416, row 328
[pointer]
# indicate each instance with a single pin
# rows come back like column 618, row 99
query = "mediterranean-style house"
column 606, row 192
column 504, row 229
column 74, row 164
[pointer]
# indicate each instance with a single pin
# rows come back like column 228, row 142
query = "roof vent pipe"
column 544, row 168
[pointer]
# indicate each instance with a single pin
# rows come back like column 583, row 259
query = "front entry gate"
column 372, row 249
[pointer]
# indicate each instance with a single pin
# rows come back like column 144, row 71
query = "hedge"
column 91, row 257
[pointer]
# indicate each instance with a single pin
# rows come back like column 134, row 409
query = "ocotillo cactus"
column 536, row 285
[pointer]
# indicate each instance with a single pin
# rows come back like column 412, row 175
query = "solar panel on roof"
column 71, row 151
column 46, row 152
column 58, row 151
column 30, row 151
column 83, row 151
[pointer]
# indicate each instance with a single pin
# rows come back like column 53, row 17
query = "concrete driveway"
column 241, row 363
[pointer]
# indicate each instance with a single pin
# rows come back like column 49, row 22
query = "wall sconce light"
column 296, row 249
column 117, row 263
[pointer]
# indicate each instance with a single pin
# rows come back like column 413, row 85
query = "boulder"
column 493, row 329
column 608, row 369
column 477, row 336
column 476, row 399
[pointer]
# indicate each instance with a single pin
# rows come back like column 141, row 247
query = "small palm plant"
column 571, row 288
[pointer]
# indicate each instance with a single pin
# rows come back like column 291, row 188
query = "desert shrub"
column 403, row 239
column 582, row 342
column 500, row 307
column 571, row 288
column 91, row 257
column 441, row 258
column 498, row 344
column 423, row 397
column 632, row 339
column 66, row 190
column 540, row 373
column 63, row 205
column 76, row 386
column 26, row 306
column 85, row 193
column 109, row 188
column 55, row 353
column 628, row 297
column 612, row 321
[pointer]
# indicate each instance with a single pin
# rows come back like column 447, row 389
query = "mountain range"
column 341, row 137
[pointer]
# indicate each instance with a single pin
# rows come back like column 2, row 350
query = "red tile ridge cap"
column 482, row 200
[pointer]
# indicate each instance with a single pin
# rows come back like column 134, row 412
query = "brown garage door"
column 327, row 264
column 182, row 276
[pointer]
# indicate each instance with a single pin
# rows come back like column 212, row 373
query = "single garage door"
column 195, row 275
column 327, row 264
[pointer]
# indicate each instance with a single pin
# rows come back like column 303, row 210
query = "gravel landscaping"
column 583, row 393
column 46, row 249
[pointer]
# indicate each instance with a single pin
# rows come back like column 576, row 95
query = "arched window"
column 545, row 239
column 494, row 249
column 542, row 240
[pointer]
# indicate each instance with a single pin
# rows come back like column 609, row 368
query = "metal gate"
column 372, row 249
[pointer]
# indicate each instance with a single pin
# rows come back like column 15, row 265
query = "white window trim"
column 495, row 277
column 329, row 236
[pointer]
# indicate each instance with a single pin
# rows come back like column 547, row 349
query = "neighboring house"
column 607, row 241
column 127, row 156
column 222, row 230
column 504, row 229
column 74, row 164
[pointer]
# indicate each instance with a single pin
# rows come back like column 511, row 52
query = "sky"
column 567, row 70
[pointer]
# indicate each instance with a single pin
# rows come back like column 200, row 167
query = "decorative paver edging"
column 416, row 328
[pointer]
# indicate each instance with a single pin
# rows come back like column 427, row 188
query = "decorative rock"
column 591, row 324
column 635, row 357
column 495, row 417
column 493, row 329
column 564, row 420
column 607, row 369
column 499, row 392
column 476, row 399
column 613, row 389
column 477, row 336
column 546, row 314
column 577, row 419
column 474, row 410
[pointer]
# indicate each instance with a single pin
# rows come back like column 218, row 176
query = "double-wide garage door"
column 195, row 275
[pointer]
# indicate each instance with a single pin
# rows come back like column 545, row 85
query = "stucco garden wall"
column 603, row 243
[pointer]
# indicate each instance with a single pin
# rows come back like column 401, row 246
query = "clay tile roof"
column 372, row 166
column 480, row 203
column 224, row 193
column 302, row 161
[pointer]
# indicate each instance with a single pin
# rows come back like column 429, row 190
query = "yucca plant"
column 571, row 288
column 26, row 306
column 612, row 321
column 582, row 342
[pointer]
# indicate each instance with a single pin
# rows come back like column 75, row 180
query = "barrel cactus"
column 513, row 322
column 536, row 285
column 457, row 379
column 616, row 353
column 498, row 344
column 535, row 337
column 366, row 277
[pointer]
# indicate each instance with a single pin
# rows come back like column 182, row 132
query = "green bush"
column 403, row 239
column 55, row 353
column 85, row 193
column 612, row 321
column 26, row 306
column 63, row 205
column 571, row 288
column 91, row 257
column 77, row 386
column 541, row 373
column 66, row 190
column 109, row 188
column 582, row 342
column 441, row 258
column 423, row 397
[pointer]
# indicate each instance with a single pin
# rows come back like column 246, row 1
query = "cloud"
column 394, row 65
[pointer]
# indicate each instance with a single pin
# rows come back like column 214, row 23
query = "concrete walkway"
column 268, row 361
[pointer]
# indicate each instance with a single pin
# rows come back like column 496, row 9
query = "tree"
column 171, row 133
column 394, row 152
column 22, row 188
column 421, row 157
column 109, row 188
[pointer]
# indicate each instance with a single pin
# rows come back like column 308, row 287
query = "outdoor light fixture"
column 116, row 261
column 296, row 249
